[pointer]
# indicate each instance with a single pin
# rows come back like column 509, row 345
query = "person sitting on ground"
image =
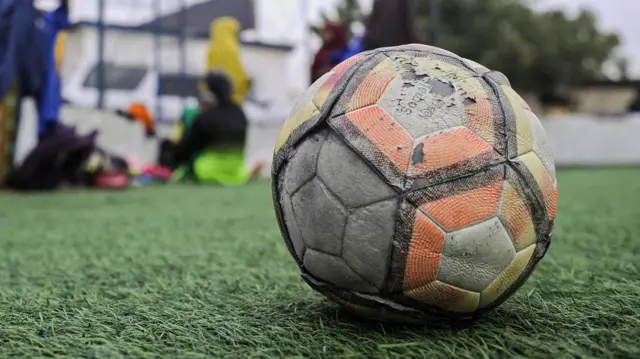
column 211, row 150
column 224, row 55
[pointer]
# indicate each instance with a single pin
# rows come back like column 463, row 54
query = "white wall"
column 117, row 135
column 591, row 141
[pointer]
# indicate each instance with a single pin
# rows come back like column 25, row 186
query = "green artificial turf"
column 195, row 272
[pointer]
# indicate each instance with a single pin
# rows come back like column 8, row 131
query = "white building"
column 142, row 66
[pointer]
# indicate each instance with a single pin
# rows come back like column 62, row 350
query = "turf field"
column 188, row 272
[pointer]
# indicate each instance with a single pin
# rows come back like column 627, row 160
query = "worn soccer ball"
column 411, row 184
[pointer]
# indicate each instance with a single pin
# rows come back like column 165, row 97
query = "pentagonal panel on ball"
column 368, row 239
column 293, row 230
column 541, row 146
column 457, row 148
column 334, row 270
column 459, row 204
column 307, row 97
column 302, row 112
column 517, row 218
column 308, row 114
column 484, row 114
column 445, row 296
column 541, row 180
column 347, row 175
column 373, row 85
column 520, row 133
column 379, row 140
column 424, row 252
column 301, row 168
column 423, row 104
column 334, row 78
column 508, row 278
column 320, row 217
column 473, row 257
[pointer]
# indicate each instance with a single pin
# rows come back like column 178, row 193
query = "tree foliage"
column 539, row 51
column 348, row 13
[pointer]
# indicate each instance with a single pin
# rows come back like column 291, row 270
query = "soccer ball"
column 411, row 184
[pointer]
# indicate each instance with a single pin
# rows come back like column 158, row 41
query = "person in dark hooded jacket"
column 212, row 148
column 334, row 39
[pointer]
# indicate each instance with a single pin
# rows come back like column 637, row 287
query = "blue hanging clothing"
column 22, row 57
column 355, row 46
column 50, row 99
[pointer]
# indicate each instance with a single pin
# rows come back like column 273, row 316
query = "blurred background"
column 576, row 62
column 182, row 271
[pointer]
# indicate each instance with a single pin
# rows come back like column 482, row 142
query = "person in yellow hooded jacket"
column 224, row 55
